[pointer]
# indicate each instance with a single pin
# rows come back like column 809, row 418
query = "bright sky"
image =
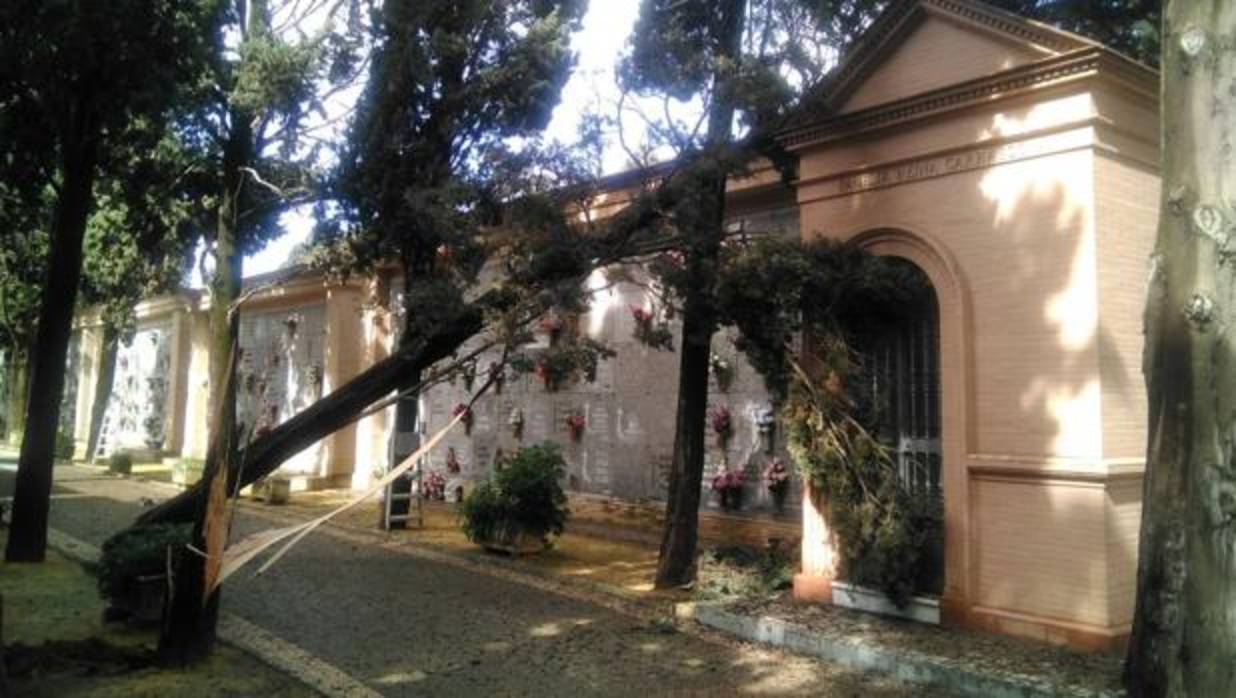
column 606, row 27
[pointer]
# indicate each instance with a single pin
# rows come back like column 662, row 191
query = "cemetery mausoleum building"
column 1014, row 164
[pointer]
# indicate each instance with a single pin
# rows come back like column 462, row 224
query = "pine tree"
column 72, row 75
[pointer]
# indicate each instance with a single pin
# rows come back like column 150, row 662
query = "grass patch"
column 56, row 644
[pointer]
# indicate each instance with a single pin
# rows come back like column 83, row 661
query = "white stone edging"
column 909, row 666
column 922, row 609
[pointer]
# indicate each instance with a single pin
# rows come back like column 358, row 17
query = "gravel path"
column 409, row 626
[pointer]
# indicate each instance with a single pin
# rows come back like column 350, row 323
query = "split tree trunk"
column 676, row 561
column 1184, row 630
column 102, row 388
column 31, row 493
column 192, row 613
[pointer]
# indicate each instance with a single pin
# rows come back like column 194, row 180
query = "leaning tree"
column 1184, row 628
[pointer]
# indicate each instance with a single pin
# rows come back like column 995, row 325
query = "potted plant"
column 120, row 463
column 777, row 478
column 728, row 486
column 521, row 506
column 132, row 569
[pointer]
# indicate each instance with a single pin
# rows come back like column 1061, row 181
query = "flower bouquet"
column 575, row 424
column 777, row 478
column 728, row 486
column 722, row 423
column 462, row 409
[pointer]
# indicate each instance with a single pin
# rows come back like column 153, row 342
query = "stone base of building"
column 1090, row 638
column 816, row 588
column 813, row 588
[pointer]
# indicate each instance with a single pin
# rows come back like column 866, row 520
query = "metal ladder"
column 404, row 441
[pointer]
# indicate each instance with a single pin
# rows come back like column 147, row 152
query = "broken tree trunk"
column 1184, row 629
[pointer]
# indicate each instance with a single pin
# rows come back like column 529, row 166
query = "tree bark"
column 676, row 561
column 1184, row 629
column 28, row 533
column 102, row 388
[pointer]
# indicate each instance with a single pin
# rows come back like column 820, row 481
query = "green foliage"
column 120, row 463
column 190, row 464
column 64, row 446
column 1129, row 26
column 831, row 295
column 740, row 571
column 140, row 551
column 886, row 533
column 526, row 495
column 773, row 290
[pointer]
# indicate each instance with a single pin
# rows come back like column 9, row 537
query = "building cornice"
column 1081, row 64
column 895, row 23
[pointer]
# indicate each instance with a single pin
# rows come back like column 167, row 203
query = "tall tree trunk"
column 19, row 394
column 28, row 533
column 102, row 388
column 189, row 624
column 676, row 562
column 1184, row 629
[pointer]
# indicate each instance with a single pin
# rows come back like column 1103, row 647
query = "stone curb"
column 906, row 665
column 279, row 654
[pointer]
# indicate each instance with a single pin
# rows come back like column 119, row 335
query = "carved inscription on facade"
column 946, row 164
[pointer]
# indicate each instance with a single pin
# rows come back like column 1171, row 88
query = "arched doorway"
column 897, row 391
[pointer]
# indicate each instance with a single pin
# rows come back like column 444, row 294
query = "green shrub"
column 136, row 552
column 888, row 533
column 743, row 571
column 191, row 464
column 526, row 495
column 120, row 463
column 64, row 446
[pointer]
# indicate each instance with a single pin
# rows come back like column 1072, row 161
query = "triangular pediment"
column 918, row 46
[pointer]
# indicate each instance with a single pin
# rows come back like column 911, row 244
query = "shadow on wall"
column 1024, row 236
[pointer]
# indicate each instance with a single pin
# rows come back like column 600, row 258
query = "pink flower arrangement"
column 462, row 409
column 721, row 421
column 727, row 480
column 649, row 331
column 433, row 485
column 575, row 423
column 777, row 475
